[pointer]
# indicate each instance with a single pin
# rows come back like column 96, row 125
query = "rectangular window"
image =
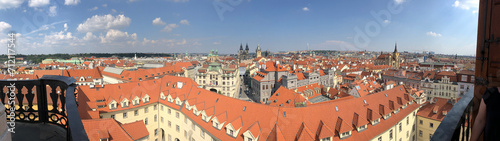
column 136, row 112
column 400, row 128
column 202, row 134
column 161, row 118
column 431, row 125
column 177, row 114
column 146, row 110
column 154, row 107
column 390, row 134
column 177, row 128
column 430, row 136
column 420, row 133
column 125, row 115
column 464, row 78
column 169, row 111
column 169, row 124
column 421, row 122
column 156, row 118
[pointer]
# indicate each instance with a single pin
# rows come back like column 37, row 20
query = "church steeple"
column 247, row 48
column 396, row 47
column 241, row 47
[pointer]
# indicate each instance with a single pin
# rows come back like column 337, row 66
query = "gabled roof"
column 324, row 131
column 304, row 134
column 136, row 130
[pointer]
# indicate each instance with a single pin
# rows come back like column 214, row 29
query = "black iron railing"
column 456, row 124
column 50, row 99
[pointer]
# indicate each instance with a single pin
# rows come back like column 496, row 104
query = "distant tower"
column 246, row 49
column 241, row 48
column 135, row 56
column 257, row 51
column 396, row 56
column 240, row 53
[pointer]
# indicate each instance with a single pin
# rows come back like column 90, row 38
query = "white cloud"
column 399, row 1
column 65, row 27
column 38, row 3
column 434, row 34
column 113, row 10
column 104, row 5
column 53, row 11
column 94, row 8
column 71, row 2
column 158, row 21
column 117, row 36
column 184, row 22
column 59, row 38
column 387, row 21
column 89, row 37
column 4, row 27
column 170, row 27
column 216, row 43
column 103, row 23
column 466, row 4
column 6, row 4
column 305, row 9
column 183, row 42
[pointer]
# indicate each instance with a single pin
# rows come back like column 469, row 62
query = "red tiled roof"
column 136, row 130
column 441, row 105
column 108, row 127
column 268, row 117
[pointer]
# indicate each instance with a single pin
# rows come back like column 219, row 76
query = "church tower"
column 246, row 49
column 258, row 52
column 395, row 54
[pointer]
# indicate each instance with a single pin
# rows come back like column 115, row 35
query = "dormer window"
column 345, row 134
column 361, row 128
column 387, row 116
column 376, row 121
column 396, row 111
column 112, row 105
column 231, row 132
column 125, row 103
column 145, row 99
column 135, row 102
column 216, row 125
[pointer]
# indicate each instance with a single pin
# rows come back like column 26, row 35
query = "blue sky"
column 77, row 26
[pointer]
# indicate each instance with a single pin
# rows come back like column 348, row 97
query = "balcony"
column 42, row 109
column 455, row 125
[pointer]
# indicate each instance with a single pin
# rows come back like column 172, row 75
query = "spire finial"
column 396, row 47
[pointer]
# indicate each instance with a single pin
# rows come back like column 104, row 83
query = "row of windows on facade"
column 265, row 87
column 400, row 127
column 125, row 102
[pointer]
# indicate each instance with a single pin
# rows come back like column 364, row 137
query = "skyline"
column 177, row 26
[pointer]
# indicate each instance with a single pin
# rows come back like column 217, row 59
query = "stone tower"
column 258, row 51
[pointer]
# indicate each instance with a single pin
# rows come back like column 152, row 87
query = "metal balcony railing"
column 48, row 100
column 456, row 124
